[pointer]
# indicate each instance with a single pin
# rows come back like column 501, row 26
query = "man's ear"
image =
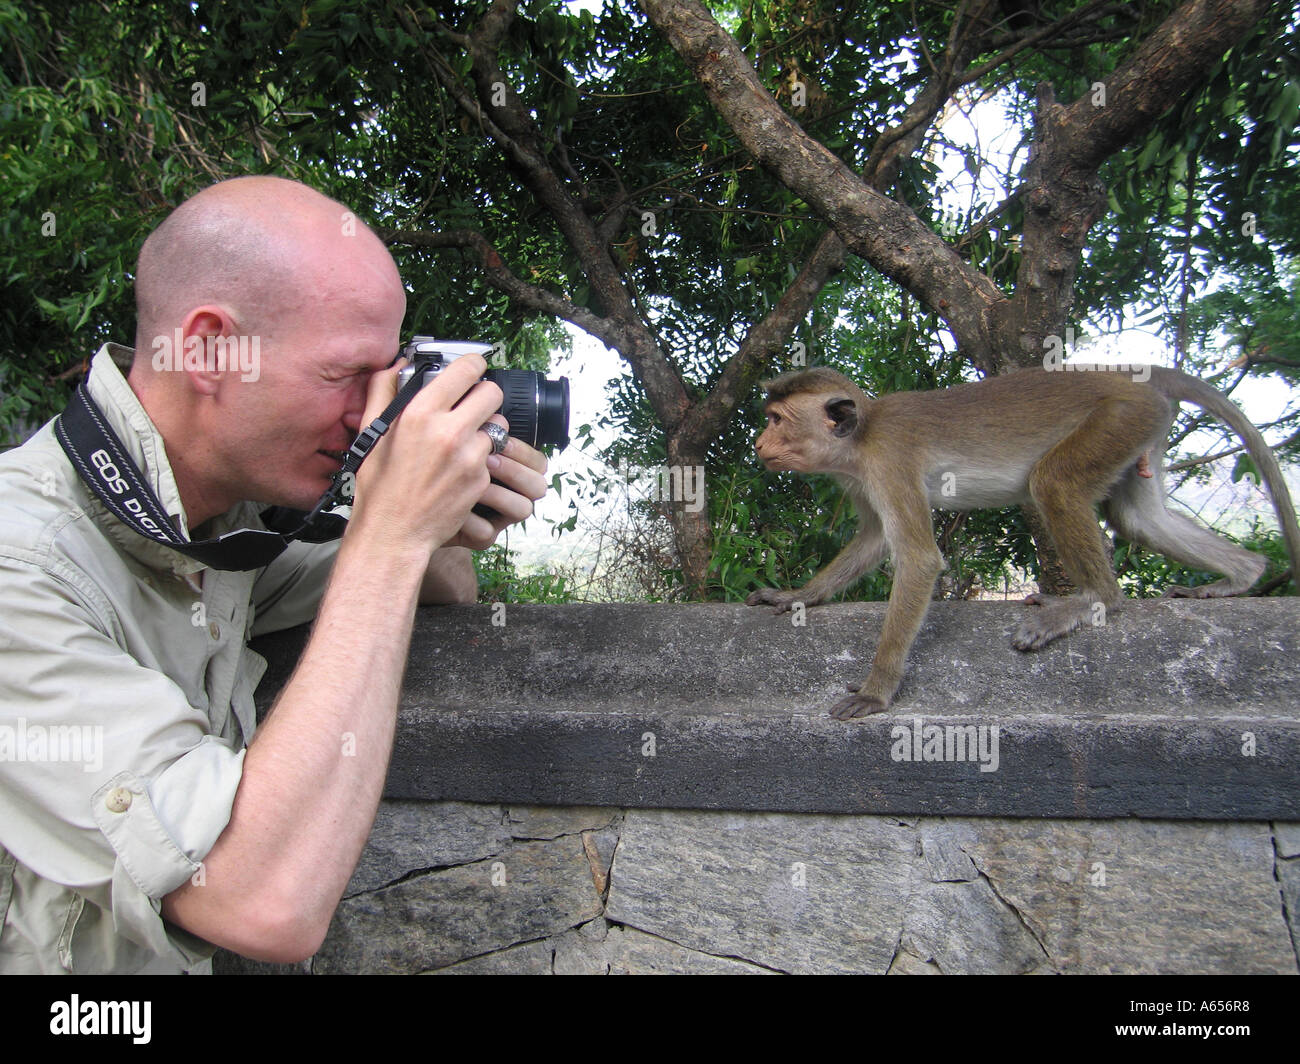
column 201, row 326
column 844, row 416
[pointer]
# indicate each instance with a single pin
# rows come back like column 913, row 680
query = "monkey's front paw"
column 857, row 705
column 772, row 596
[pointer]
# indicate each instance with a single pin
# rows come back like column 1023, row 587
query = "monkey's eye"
column 774, row 418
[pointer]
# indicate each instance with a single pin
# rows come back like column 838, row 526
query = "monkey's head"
column 814, row 417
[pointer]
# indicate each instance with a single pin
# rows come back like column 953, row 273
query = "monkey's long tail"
column 1182, row 388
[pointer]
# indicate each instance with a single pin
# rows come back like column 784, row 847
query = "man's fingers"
column 467, row 413
column 512, row 506
column 379, row 393
column 457, row 385
column 515, row 476
column 520, row 452
column 477, row 533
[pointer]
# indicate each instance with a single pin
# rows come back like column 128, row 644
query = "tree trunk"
column 689, row 513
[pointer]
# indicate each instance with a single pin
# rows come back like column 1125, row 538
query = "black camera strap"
column 101, row 460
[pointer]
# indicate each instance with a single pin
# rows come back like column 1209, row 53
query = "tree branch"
column 895, row 144
column 1061, row 192
column 885, row 233
column 1168, row 64
column 505, row 119
column 499, row 276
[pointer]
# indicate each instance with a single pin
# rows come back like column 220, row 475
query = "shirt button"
column 118, row 800
column 215, row 629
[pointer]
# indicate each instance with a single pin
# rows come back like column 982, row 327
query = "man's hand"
column 450, row 577
column 416, row 487
column 519, row 472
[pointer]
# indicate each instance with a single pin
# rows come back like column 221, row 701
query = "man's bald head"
column 318, row 299
column 267, row 248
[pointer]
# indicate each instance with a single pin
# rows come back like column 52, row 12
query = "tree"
column 604, row 206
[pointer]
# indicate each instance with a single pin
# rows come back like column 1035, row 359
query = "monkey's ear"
column 844, row 414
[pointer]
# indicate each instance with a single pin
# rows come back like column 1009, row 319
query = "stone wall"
column 457, row 888
column 1185, row 714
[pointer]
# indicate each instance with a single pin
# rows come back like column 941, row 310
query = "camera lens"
column 537, row 409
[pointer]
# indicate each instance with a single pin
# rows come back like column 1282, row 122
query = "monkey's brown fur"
column 1063, row 441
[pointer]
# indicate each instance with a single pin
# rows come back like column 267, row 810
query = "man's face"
column 293, row 424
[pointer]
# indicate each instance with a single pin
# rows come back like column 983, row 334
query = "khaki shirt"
column 126, row 701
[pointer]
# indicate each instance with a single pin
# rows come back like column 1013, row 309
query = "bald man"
column 144, row 818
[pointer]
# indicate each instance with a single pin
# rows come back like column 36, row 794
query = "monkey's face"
column 773, row 445
column 783, row 446
column 804, row 434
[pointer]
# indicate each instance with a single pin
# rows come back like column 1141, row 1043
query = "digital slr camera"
column 537, row 408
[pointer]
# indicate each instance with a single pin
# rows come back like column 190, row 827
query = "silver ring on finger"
column 497, row 434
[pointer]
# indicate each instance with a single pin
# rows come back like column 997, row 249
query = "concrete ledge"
column 1173, row 709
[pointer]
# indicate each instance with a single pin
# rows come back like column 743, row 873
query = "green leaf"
column 1245, row 466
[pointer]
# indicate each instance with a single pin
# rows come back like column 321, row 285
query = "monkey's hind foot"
column 1055, row 616
column 857, row 705
column 1219, row 589
column 782, row 600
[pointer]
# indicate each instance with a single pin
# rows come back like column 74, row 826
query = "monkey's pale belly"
column 964, row 487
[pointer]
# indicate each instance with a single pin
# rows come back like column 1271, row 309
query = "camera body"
column 537, row 408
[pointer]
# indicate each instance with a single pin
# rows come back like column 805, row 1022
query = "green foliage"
column 1204, row 201
column 500, row 579
column 89, row 144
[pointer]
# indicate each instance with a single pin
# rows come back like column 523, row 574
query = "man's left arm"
column 450, row 578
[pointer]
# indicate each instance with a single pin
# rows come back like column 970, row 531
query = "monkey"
column 1063, row 442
